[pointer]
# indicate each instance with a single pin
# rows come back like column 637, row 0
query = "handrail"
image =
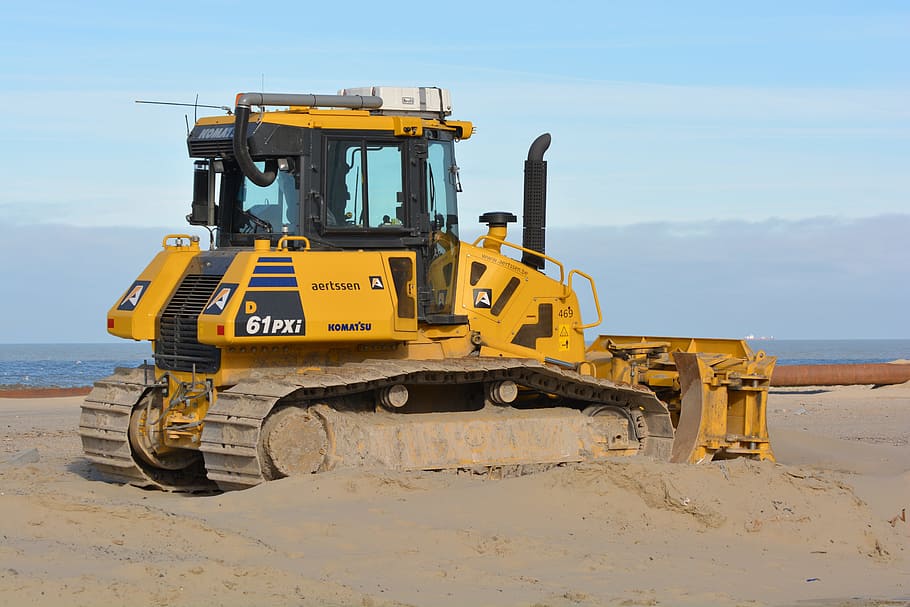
column 593, row 292
column 562, row 271
column 283, row 242
column 193, row 240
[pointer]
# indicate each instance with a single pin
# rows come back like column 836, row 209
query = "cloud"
column 814, row 278
column 821, row 278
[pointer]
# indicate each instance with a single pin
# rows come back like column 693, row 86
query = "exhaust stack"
column 535, row 203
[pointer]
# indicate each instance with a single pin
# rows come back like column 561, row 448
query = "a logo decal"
column 350, row 326
column 220, row 299
column 270, row 313
column 266, row 325
column 483, row 298
column 333, row 285
column 376, row 282
column 214, row 132
column 133, row 295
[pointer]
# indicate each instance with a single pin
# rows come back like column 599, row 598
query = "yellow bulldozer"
column 337, row 320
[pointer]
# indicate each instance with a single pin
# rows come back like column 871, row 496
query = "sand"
column 820, row 527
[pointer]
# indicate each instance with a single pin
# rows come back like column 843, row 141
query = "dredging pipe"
column 840, row 375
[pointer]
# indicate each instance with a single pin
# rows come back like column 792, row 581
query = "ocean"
column 69, row 365
column 833, row 351
column 66, row 365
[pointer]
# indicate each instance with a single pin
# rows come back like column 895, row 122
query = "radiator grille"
column 177, row 347
column 213, row 148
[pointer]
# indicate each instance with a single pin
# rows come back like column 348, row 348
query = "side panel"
column 134, row 314
column 517, row 309
column 313, row 296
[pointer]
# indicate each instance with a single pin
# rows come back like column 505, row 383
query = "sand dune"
column 816, row 526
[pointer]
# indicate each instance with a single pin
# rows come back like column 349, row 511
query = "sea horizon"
column 77, row 364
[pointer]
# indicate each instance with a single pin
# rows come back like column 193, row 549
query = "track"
column 233, row 426
column 104, row 427
column 231, row 437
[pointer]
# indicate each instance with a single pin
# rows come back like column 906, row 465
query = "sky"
column 720, row 168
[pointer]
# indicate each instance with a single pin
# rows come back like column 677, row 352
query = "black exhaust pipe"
column 242, row 151
column 535, row 203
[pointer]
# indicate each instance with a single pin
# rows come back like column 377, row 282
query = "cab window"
column 272, row 209
column 441, row 188
column 442, row 175
column 364, row 185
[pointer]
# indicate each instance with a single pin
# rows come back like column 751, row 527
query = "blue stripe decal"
column 269, row 281
column 273, row 270
column 274, row 260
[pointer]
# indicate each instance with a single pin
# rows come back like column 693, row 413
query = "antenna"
column 196, row 105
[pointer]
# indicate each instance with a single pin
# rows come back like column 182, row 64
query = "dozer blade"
column 723, row 408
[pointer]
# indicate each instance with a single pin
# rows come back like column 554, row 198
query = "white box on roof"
column 419, row 99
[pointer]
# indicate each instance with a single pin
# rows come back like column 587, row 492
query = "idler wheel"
column 294, row 442
column 145, row 439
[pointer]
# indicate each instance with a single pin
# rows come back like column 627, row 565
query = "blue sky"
column 784, row 124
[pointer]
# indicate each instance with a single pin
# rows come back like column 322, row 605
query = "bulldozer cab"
column 342, row 189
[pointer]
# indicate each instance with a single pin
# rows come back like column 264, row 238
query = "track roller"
column 502, row 392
